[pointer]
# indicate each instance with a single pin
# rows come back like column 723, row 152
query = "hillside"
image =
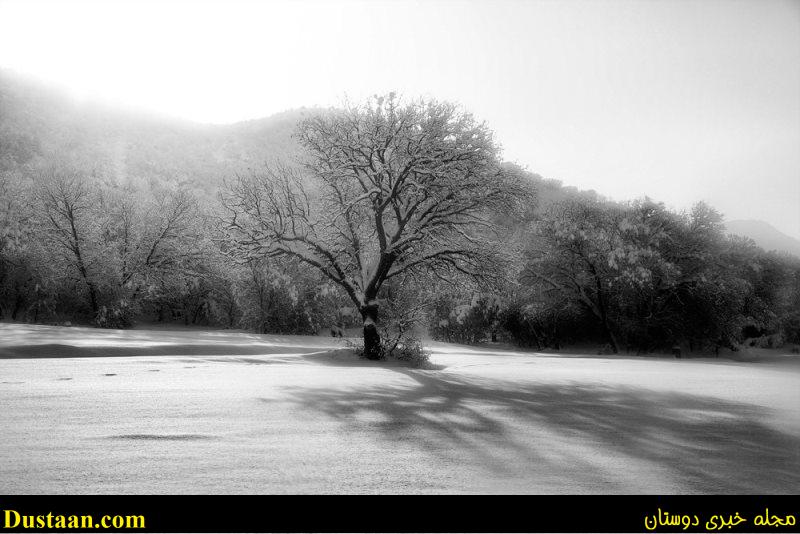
column 765, row 235
column 39, row 125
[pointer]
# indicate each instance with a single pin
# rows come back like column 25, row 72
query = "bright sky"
column 676, row 99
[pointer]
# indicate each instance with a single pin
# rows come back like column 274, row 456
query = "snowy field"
column 93, row 411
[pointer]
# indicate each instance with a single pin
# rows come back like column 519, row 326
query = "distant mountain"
column 40, row 125
column 765, row 235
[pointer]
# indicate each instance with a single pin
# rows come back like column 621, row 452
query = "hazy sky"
column 676, row 99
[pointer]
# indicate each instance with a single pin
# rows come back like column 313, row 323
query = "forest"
column 397, row 216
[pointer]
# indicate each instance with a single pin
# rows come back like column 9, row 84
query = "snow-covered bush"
column 118, row 315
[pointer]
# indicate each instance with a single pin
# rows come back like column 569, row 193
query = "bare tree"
column 168, row 233
column 386, row 190
column 65, row 205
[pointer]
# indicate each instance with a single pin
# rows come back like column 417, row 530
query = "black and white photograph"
column 384, row 247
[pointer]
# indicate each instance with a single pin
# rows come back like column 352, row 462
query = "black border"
column 318, row 513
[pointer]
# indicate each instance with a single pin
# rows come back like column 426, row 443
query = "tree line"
column 636, row 277
column 404, row 212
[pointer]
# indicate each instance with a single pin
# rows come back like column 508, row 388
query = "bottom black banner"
column 398, row 514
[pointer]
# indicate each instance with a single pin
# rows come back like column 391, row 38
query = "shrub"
column 790, row 327
column 771, row 341
column 408, row 350
column 464, row 323
column 117, row 316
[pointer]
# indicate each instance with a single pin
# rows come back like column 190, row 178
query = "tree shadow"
column 349, row 358
column 706, row 444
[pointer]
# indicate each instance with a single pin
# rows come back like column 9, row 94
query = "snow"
column 225, row 412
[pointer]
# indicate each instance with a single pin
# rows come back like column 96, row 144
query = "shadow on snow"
column 705, row 445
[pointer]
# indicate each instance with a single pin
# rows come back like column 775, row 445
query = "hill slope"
column 765, row 235
column 39, row 125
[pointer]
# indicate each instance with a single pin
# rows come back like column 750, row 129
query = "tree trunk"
column 196, row 313
column 231, row 315
column 89, row 284
column 601, row 312
column 372, row 339
column 76, row 250
column 612, row 339
column 18, row 301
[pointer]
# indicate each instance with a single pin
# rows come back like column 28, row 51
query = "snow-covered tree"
column 65, row 209
column 386, row 190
